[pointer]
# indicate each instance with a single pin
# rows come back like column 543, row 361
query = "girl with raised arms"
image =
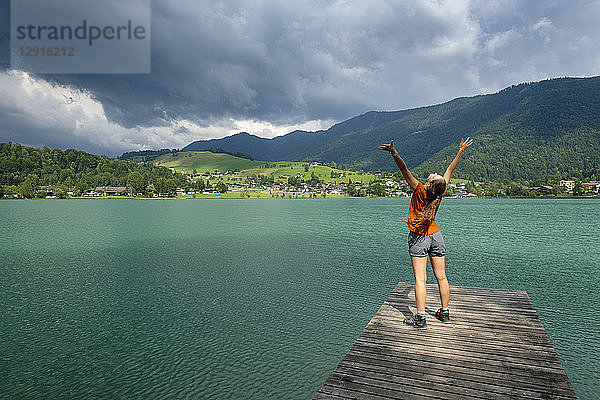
column 425, row 238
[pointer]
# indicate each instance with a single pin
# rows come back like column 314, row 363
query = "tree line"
column 24, row 169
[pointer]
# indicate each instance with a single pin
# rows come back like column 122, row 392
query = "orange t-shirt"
column 417, row 204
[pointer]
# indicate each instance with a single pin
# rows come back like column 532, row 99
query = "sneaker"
column 417, row 321
column 443, row 316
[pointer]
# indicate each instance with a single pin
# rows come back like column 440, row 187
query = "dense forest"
column 24, row 169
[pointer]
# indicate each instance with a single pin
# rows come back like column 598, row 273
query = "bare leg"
column 419, row 265
column 439, row 269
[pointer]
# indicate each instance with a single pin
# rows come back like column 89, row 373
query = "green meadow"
column 204, row 161
column 207, row 162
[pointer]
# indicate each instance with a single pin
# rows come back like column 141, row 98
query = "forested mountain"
column 525, row 131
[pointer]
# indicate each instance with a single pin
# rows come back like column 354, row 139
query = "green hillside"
column 280, row 171
column 207, row 162
column 204, row 161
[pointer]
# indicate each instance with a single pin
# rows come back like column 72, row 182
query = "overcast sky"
column 269, row 67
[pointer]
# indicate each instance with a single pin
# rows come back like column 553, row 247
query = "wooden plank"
column 465, row 319
column 467, row 339
column 440, row 383
column 459, row 299
column 518, row 307
column 426, row 367
column 494, row 347
column 479, row 348
column 455, row 331
column 340, row 390
column 543, row 366
column 390, row 387
column 479, row 364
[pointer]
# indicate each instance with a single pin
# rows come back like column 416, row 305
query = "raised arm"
column 461, row 149
column 408, row 177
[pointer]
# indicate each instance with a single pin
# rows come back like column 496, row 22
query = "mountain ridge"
column 523, row 131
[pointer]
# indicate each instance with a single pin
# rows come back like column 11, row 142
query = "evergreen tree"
column 222, row 187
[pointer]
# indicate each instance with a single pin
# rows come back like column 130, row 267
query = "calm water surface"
column 255, row 299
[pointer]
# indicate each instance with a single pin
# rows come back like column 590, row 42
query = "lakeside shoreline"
column 306, row 196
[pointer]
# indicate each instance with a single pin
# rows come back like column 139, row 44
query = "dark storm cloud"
column 289, row 62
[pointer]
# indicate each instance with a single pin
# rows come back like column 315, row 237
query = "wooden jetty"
column 494, row 347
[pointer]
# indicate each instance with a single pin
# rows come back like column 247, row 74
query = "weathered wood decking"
column 495, row 347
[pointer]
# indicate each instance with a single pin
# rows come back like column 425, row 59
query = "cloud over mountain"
column 268, row 66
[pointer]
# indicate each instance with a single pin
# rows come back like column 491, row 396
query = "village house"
column 109, row 190
column 49, row 189
column 592, row 186
column 544, row 189
column 392, row 184
column 235, row 185
column 569, row 185
column 461, row 190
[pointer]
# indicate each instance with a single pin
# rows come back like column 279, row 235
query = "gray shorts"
column 424, row 245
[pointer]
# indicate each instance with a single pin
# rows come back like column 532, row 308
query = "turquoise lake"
column 260, row 299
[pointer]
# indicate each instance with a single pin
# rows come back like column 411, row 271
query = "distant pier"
column 495, row 347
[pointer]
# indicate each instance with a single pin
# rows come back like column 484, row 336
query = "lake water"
column 255, row 299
